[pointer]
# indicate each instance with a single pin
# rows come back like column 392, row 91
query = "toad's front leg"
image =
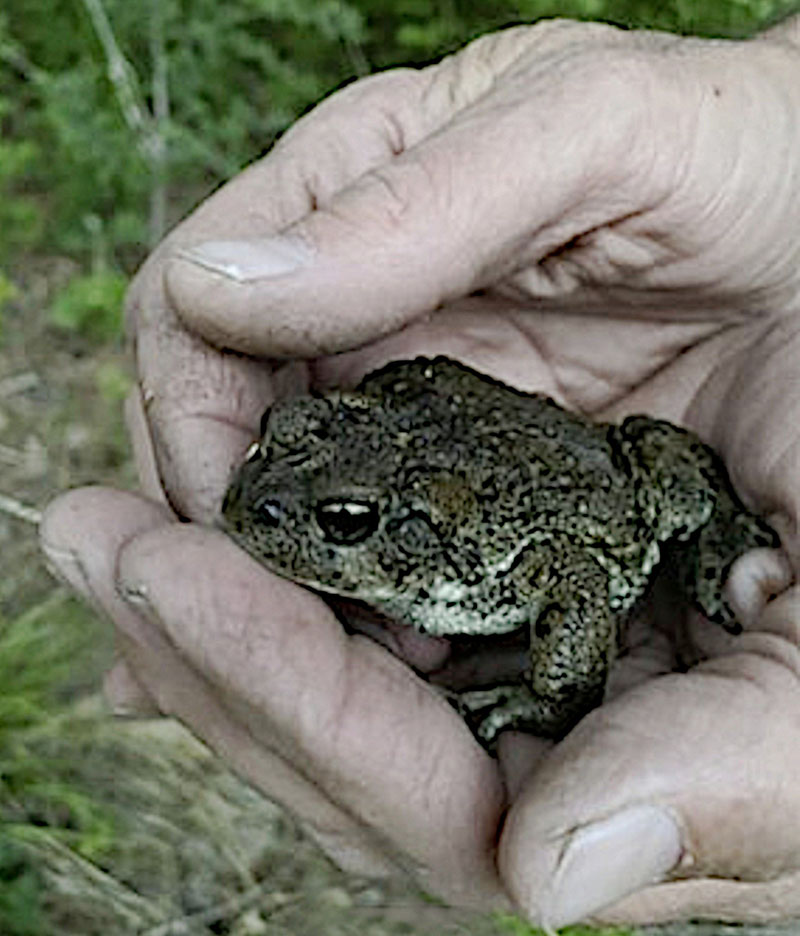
column 573, row 641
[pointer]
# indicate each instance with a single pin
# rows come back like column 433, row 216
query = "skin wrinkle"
column 221, row 419
column 533, row 342
column 695, row 345
column 226, row 377
column 312, row 202
column 334, row 721
column 396, row 207
column 773, row 651
column 575, row 400
column 572, row 246
column 777, row 618
column 395, row 133
column 724, row 368
column 715, row 671
column 342, row 135
column 454, row 79
column 596, row 241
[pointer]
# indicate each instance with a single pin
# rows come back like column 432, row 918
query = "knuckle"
column 401, row 192
column 393, row 196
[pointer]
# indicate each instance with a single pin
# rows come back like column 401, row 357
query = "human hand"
column 634, row 241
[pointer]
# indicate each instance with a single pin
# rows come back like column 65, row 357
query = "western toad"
column 454, row 503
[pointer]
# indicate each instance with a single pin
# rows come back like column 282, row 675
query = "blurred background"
column 116, row 117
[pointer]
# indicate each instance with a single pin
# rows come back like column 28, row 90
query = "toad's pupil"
column 347, row 522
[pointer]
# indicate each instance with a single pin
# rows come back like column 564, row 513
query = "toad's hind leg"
column 686, row 495
column 704, row 566
column 673, row 472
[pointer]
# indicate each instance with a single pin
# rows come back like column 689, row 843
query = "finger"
column 754, row 580
column 331, row 726
column 416, row 231
column 649, row 649
column 748, row 409
column 125, row 693
column 681, row 778
column 203, row 407
column 144, row 456
column 82, row 533
column 723, row 901
column 75, row 556
column 69, row 541
column 339, row 709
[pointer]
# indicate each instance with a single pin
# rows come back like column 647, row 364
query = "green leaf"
column 91, row 306
column 21, row 893
column 516, row 926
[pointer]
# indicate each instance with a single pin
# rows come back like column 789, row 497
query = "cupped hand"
column 606, row 216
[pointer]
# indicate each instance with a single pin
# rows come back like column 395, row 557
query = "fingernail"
column 125, row 696
column 244, row 261
column 136, row 595
column 64, row 565
column 610, row 859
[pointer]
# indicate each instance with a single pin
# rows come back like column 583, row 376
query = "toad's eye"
column 269, row 511
column 347, row 522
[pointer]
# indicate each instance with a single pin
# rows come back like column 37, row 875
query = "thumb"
column 509, row 179
column 674, row 801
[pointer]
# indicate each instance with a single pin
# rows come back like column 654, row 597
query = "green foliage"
column 91, row 306
column 20, row 218
column 8, row 291
column 234, row 75
column 21, row 893
column 229, row 78
column 38, row 650
column 732, row 18
column 38, row 795
column 113, row 382
column 515, row 926
column 417, row 30
column 97, row 169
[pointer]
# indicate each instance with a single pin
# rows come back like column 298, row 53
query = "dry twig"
column 255, row 897
column 20, row 511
